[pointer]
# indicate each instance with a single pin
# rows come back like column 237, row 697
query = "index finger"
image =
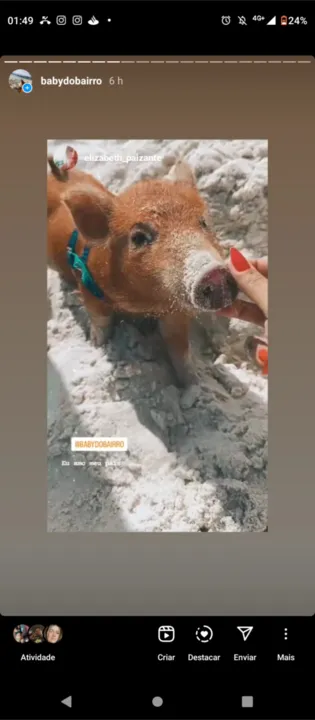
column 253, row 284
column 246, row 311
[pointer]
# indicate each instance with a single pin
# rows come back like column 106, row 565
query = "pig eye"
column 142, row 235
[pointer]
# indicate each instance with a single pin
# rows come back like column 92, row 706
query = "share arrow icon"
column 246, row 631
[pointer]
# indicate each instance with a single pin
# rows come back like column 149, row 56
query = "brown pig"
column 151, row 252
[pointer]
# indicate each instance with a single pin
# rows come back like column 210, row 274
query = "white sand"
column 197, row 459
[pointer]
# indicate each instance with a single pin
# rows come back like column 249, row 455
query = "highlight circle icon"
column 204, row 634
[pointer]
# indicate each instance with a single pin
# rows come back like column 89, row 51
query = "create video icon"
column 166, row 633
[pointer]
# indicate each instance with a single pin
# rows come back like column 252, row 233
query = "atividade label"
column 39, row 657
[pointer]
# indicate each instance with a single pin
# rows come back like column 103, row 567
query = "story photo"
column 157, row 409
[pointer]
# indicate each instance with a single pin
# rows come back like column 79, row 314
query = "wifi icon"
column 93, row 21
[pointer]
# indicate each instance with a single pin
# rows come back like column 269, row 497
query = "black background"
column 109, row 666
column 155, row 28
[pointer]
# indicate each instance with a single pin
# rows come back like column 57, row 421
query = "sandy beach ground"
column 197, row 459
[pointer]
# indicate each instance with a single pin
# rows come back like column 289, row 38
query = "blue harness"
column 80, row 263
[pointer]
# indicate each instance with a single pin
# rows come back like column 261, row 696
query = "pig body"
column 151, row 252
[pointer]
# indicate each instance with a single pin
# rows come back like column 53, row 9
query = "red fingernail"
column 262, row 355
column 265, row 369
column 238, row 261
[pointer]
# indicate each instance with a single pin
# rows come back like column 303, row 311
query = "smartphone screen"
column 157, row 495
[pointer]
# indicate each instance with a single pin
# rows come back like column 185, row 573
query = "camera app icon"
column 61, row 20
column 77, row 20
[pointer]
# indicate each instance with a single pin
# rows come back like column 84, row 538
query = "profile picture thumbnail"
column 20, row 633
column 21, row 81
column 66, row 157
column 53, row 633
column 36, row 633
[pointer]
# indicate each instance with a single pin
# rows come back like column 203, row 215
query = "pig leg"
column 100, row 314
column 175, row 332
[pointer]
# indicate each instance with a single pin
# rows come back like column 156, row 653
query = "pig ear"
column 182, row 172
column 91, row 210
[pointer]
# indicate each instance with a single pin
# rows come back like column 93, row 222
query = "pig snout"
column 209, row 284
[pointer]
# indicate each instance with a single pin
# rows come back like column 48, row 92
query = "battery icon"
column 283, row 20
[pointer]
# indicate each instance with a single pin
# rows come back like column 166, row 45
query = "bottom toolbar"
column 117, row 667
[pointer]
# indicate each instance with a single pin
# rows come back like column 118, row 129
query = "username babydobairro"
column 60, row 82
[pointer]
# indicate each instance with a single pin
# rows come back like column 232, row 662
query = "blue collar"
column 80, row 263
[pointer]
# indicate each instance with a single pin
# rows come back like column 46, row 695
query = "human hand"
column 252, row 279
